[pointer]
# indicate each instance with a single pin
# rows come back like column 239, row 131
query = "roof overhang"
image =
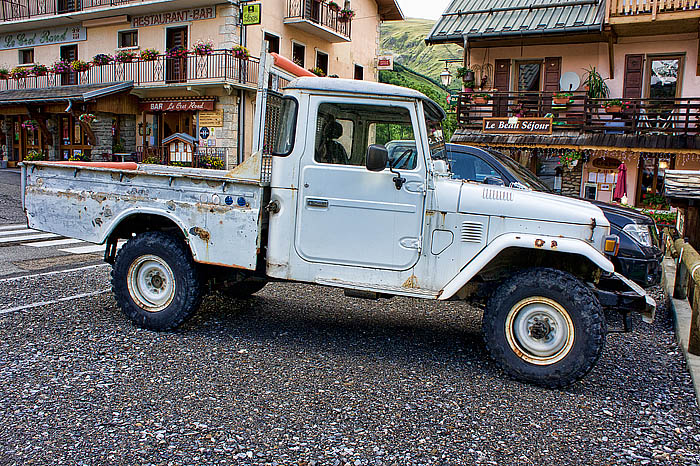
column 389, row 10
column 47, row 95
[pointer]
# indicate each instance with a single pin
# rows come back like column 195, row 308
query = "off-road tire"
column 243, row 289
column 581, row 305
column 187, row 294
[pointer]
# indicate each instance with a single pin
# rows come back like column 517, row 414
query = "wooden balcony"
column 204, row 157
column 318, row 18
column 220, row 67
column 636, row 17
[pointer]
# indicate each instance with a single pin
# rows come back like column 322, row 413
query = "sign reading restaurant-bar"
column 524, row 125
column 179, row 16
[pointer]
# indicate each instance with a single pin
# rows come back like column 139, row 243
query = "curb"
column 681, row 322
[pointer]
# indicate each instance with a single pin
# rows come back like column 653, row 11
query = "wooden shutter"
column 501, row 81
column 634, row 74
column 552, row 74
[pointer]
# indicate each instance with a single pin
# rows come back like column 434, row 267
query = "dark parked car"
column 640, row 253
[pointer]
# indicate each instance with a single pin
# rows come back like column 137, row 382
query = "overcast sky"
column 422, row 9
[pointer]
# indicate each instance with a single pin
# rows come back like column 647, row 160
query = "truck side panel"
column 219, row 219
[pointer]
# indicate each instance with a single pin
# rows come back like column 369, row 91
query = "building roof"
column 62, row 93
column 353, row 86
column 180, row 136
column 682, row 184
column 482, row 19
column 389, row 10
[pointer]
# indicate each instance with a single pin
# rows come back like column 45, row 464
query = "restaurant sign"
column 176, row 105
column 513, row 125
column 57, row 35
column 179, row 16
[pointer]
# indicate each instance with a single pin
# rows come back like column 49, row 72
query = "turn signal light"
column 612, row 245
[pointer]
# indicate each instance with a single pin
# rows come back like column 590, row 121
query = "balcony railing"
column 669, row 116
column 653, row 8
column 204, row 157
column 319, row 13
column 219, row 66
column 15, row 10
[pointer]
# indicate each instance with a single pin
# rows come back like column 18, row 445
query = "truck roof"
column 354, row 86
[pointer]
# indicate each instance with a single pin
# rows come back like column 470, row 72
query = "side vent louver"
column 472, row 232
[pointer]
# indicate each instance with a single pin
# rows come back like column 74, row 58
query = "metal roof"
column 481, row 19
column 682, row 184
column 62, row 93
column 389, row 10
column 353, row 86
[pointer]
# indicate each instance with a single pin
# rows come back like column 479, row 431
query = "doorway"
column 176, row 67
column 69, row 53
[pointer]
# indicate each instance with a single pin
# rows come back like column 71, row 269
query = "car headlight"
column 639, row 233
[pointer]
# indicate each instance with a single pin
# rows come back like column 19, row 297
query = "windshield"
column 522, row 174
column 436, row 139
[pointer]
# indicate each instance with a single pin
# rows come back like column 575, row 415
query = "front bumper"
column 620, row 294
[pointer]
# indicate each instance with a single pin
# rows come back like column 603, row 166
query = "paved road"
column 300, row 374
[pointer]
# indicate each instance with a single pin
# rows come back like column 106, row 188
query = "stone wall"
column 102, row 128
column 227, row 136
column 230, row 31
column 127, row 132
column 571, row 181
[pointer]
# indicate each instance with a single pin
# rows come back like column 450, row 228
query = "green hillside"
column 406, row 40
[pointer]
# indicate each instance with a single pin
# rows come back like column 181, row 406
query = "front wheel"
column 544, row 326
column 155, row 281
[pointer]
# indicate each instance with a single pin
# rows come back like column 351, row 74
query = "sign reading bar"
column 179, row 16
column 56, row 35
column 177, row 105
column 385, row 62
column 525, row 125
column 252, row 14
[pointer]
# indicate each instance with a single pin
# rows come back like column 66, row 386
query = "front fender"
column 527, row 241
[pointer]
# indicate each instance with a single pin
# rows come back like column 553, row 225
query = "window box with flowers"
column 40, row 70
column 318, row 72
column 101, row 59
column 178, row 52
column 240, row 52
column 569, row 159
column 203, row 47
column 481, row 99
column 60, row 67
column 125, row 56
column 616, row 106
column 79, row 66
column 19, row 72
column 149, row 54
column 345, row 15
column 34, row 155
column 562, row 98
column 211, row 162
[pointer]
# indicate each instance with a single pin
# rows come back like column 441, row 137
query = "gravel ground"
column 302, row 375
column 10, row 204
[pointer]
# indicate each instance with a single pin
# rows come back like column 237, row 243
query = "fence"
column 687, row 286
column 14, row 10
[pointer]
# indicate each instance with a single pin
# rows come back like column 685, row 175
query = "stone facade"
column 102, row 129
column 571, row 181
column 127, row 132
column 227, row 135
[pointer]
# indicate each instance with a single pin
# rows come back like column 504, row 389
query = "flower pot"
column 574, row 163
column 468, row 76
column 468, row 90
column 560, row 100
column 481, row 100
column 613, row 109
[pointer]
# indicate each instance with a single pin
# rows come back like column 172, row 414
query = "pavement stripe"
column 17, row 232
column 55, row 242
column 15, row 239
column 13, row 227
column 54, row 301
column 55, row 272
column 93, row 248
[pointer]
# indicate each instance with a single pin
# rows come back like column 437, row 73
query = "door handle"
column 317, row 202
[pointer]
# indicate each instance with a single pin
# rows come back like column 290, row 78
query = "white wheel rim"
column 539, row 330
column 151, row 283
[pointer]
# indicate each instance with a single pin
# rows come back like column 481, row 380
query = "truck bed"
column 218, row 213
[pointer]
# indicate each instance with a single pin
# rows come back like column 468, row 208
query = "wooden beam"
column 611, row 53
column 41, row 121
column 697, row 69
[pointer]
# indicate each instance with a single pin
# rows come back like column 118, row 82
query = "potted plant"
column 570, row 158
column 125, row 56
column 40, row 70
column 4, row 73
column 467, row 74
column 177, row 52
column 334, row 6
column 101, row 59
column 562, row 98
column 19, row 72
column 30, row 125
column 613, row 106
column 212, row 162
column 203, row 47
column 345, row 15
column 79, row 65
column 595, row 84
column 33, row 155
column 469, row 86
column 481, row 99
column 240, row 52
column 60, row 67
column 318, row 72
column 149, row 54
column 87, row 118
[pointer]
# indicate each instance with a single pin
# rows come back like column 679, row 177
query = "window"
column 345, row 131
column 529, row 76
column 665, row 77
column 298, row 54
column 284, row 136
column 322, row 62
column 128, row 38
column 26, row 56
column 273, row 43
column 359, row 72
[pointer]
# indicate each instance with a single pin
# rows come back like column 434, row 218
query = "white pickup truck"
column 323, row 203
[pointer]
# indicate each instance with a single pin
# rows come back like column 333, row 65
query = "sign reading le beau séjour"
column 57, row 35
column 523, row 125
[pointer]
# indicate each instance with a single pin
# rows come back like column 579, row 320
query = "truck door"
column 347, row 215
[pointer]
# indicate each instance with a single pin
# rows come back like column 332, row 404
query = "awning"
column 75, row 93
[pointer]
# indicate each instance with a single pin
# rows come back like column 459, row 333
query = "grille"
column 472, row 232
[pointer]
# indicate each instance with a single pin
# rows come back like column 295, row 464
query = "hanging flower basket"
column 125, row 56
column 79, row 66
column 4, row 73
column 87, row 118
column 19, row 72
column 60, row 67
column 101, row 59
column 30, row 125
column 203, row 47
column 569, row 159
column 240, row 52
column 333, row 6
column 345, row 15
column 177, row 52
column 149, row 55
column 40, row 70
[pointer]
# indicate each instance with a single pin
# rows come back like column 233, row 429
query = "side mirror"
column 377, row 158
column 494, row 180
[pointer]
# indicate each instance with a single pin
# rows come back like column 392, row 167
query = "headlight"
column 639, row 233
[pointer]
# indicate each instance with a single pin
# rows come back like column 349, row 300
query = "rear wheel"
column 155, row 281
column 544, row 326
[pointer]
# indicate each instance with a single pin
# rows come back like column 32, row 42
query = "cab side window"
column 345, row 131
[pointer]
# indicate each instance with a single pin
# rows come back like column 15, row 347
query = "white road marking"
column 15, row 239
column 17, row 232
column 55, row 242
column 55, row 272
column 54, row 301
column 93, row 248
column 16, row 226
